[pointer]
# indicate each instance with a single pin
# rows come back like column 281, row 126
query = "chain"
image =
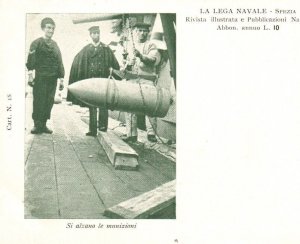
column 123, row 23
column 125, row 38
column 131, row 33
column 136, row 69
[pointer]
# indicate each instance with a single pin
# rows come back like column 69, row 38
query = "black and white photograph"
column 150, row 122
column 100, row 121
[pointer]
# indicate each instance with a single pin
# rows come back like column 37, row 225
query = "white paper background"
column 238, row 129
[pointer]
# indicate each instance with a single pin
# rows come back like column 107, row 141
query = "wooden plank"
column 120, row 154
column 146, row 204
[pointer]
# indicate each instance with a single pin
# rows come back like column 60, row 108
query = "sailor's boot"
column 37, row 128
column 45, row 129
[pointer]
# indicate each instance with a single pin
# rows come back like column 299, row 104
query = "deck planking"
column 68, row 174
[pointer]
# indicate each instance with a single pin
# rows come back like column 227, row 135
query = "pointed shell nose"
column 90, row 91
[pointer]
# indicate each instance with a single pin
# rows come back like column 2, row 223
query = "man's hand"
column 30, row 80
column 137, row 53
column 144, row 58
column 61, row 84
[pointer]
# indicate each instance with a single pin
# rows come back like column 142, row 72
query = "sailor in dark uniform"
column 45, row 59
column 93, row 61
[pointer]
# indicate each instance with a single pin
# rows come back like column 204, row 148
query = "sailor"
column 142, row 63
column 93, row 61
column 45, row 59
column 158, row 39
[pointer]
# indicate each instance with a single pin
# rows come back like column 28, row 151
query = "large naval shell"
column 122, row 96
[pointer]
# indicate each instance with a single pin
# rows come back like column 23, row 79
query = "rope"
column 140, row 87
column 144, row 105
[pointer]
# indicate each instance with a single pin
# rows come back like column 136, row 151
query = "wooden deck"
column 68, row 175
